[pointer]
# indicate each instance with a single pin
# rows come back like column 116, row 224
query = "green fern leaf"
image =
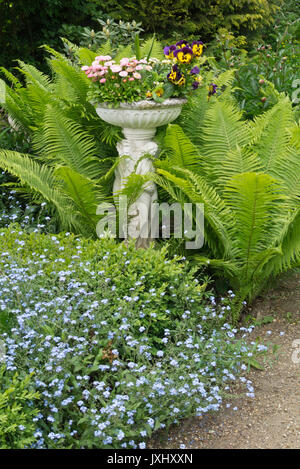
column 274, row 137
column 10, row 77
column 227, row 267
column 65, row 143
column 123, row 51
column 76, row 79
column 38, row 177
column 86, row 56
column 224, row 131
column 83, row 191
column 238, row 161
column 105, row 49
column 179, row 149
column 153, row 47
column 35, row 77
column 253, row 199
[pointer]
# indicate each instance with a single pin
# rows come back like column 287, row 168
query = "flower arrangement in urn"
column 139, row 95
column 131, row 80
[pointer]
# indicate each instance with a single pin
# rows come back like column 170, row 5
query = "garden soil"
column 270, row 420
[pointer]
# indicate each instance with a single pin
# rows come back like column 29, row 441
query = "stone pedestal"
column 139, row 121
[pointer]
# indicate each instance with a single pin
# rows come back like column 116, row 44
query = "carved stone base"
column 139, row 213
column 139, row 121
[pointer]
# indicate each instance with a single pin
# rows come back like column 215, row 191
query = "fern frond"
column 65, row 143
column 153, row 47
column 109, row 134
column 238, row 161
column 179, row 149
column 290, row 245
column 16, row 108
column 75, row 78
column 253, row 200
column 275, row 136
column 105, row 49
column 286, row 170
column 174, row 193
column 225, row 78
column 123, row 51
column 228, row 268
column 84, row 192
column 54, row 54
column 133, row 188
column 35, row 77
column 217, row 215
column 224, row 131
column 262, row 122
column 86, row 56
column 10, row 77
column 37, row 100
column 295, row 135
column 192, row 117
column 109, row 174
column 74, row 48
column 65, row 93
column 40, row 178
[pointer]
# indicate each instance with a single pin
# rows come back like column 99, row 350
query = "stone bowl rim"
column 144, row 104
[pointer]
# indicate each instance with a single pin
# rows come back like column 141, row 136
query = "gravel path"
column 272, row 419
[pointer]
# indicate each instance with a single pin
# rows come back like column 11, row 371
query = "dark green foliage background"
column 202, row 17
column 27, row 24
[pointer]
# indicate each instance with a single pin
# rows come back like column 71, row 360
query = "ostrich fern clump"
column 247, row 175
column 71, row 148
column 73, row 151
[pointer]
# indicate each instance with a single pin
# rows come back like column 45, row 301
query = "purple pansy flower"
column 195, row 70
column 169, row 51
column 212, row 89
column 182, row 43
column 174, row 75
column 197, row 48
column 184, row 55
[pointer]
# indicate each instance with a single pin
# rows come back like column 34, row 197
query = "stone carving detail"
column 139, row 121
column 139, row 212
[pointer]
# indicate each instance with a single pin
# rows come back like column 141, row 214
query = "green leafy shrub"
column 122, row 341
column 261, row 73
column 25, row 27
column 17, row 411
column 118, row 33
column 286, row 20
column 278, row 66
column 194, row 17
column 157, row 281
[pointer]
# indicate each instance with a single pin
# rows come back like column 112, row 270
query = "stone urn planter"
column 139, row 121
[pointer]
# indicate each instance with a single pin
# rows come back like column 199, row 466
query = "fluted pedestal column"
column 139, row 122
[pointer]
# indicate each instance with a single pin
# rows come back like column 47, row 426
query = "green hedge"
column 24, row 25
column 17, row 411
column 27, row 25
column 202, row 17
